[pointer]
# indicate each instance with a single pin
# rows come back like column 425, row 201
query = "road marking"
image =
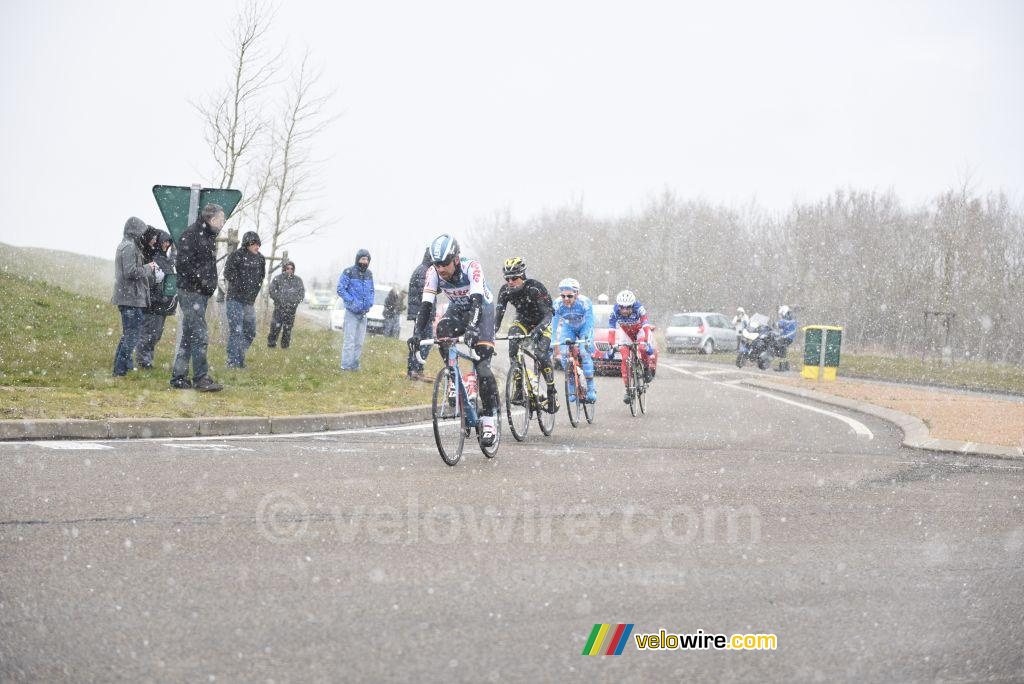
column 69, row 445
column 719, row 372
column 858, row 427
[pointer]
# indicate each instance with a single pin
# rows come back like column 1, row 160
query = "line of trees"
column 863, row 260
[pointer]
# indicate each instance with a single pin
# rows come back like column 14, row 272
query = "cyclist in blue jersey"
column 574, row 321
column 470, row 312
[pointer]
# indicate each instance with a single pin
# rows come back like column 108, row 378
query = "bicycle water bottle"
column 469, row 379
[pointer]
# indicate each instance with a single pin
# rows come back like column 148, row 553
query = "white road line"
column 104, row 444
column 858, row 427
column 719, row 372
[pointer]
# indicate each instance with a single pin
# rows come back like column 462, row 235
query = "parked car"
column 320, row 299
column 704, row 331
column 374, row 317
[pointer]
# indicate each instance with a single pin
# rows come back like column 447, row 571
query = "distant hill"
column 86, row 275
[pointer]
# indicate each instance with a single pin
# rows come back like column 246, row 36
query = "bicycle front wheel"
column 572, row 395
column 449, row 417
column 641, row 387
column 517, row 401
column 590, row 410
column 631, row 386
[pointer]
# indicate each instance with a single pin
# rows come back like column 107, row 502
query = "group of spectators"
column 142, row 265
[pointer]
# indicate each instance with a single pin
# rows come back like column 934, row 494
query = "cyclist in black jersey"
column 534, row 312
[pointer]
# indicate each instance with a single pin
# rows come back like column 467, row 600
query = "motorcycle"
column 756, row 343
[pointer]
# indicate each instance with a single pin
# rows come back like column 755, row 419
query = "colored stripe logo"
column 607, row 639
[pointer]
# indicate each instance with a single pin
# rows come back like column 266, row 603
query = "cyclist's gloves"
column 472, row 335
column 537, row 335
column 649, row 349
column 414, row 344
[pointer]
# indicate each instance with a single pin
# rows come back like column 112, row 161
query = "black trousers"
column 281, row 322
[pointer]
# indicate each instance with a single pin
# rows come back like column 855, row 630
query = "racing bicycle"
column 526, row 392
column 576, row 384
column 454, row 411
column 636, row 382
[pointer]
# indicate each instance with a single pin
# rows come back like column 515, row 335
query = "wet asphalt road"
column 361, row 556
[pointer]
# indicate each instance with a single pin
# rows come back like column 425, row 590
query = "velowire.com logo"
column 607, row 639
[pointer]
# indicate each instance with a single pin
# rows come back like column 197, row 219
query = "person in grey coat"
column 132, row 278
column 287, row 291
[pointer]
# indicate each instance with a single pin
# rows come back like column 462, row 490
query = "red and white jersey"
column 470, row 281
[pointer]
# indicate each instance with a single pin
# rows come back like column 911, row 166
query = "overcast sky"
column 453, row 110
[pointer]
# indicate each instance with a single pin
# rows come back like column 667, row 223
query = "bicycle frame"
column 461, row 395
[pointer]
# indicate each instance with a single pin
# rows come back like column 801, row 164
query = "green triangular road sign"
column 173, row 202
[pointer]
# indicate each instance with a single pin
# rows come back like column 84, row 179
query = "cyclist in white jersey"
column 470, row 312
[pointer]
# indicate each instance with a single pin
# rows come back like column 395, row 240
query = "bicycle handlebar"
column 472, row 355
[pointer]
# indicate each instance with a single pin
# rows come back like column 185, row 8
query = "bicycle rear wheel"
column 517, row 401
column 590, row 410
column 641, row 387
column 572, row 397
column 631, row 386
column 449, row 418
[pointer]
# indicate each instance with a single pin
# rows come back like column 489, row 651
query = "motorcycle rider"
column 740, row 322
column 786, row 326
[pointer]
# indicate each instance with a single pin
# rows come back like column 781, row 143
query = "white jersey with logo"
column 470, row 281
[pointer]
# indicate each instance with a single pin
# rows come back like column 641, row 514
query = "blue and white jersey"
column 470, row 281
column 579, row 317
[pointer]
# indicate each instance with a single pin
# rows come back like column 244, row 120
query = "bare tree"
column 232, row 116
column 291, row 182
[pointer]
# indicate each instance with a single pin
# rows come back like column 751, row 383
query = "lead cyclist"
column 470, row 312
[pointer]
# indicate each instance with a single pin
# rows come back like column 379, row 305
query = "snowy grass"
column 57, row 350
column 993, row 377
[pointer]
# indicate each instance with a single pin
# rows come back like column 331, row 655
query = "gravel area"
column 948, row 414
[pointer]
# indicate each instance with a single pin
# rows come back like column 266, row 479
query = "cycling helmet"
column 740, row 310
column 625, row 298
column 514, row 268
column 783, row 311
column 602, row 299
column 443, row 249
column 569, row 284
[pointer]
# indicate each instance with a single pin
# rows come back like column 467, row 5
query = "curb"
column 150, row 428
column 915, row 433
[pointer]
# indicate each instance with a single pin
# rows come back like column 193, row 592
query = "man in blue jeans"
column 355, row 287
column 244, row 273
column 132, row 278
column 196, row 266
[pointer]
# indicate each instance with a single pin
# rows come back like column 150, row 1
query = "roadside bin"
column 821, row 351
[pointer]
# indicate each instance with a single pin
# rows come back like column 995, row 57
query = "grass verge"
column 57, row 350
column 986, row 377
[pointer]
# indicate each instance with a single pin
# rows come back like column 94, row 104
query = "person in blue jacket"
column 574, row 321
column 355, row 287
column 786, row 334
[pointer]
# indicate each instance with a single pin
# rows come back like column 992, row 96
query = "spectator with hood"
column 392, row 313
column 132, row 277
column 287, row 291
column 415, row 363
column 355, row 287
column 244, row 273
column 160, row 305
column 196, row 265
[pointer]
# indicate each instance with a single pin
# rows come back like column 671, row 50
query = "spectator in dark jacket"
column 132, row 276
column 355, row 287
column 415, row 365
column 392, row 313
column 287, row 291
column 196, row 265
column 160, row 305
column 244, row 273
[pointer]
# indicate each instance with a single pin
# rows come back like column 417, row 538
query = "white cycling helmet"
column 569, row 284
column 443, row 248
column 625, row 298
column 740, row 310
column 602, row 299
column 783, row 310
